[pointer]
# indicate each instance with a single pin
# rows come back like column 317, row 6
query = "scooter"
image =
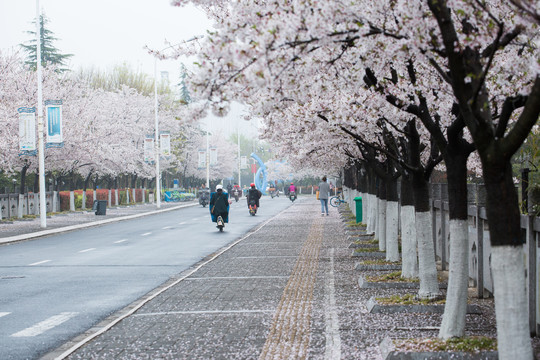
column 252, row 207
column 203, row 199
column 220, row 223
column 292, row 196
column 236, row 194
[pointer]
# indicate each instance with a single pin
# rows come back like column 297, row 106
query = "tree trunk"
column 508, row 268
column 23, row 178
column 381, row 216
column 409, row 261
column 392, row 219
column 372, row 202
column 455, row 310
column 36, row 182
column 427, row 268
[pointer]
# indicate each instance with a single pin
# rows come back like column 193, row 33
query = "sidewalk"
column 286, row 290
column 24, row 229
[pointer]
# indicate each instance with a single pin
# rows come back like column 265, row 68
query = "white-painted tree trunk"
column 83, row 205
column 371, row 214
column 511, row 303
column 409, row 256
column 455, row 309
column 116, row 197
column 364, row 208
column 109, row 197
column 381, row 225
column 427, row 268
column 368, row 214
column 127, row 196
column 72, row 201
column 392, row 231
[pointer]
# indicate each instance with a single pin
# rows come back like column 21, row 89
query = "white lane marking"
column 45, row 325
column 120, row 241
column 39, row 262
column 4, row 314
column 333, row 338
column 146, row 234
column 195, row 219
column 87, row 250
column 166, row 227
column 181, row 223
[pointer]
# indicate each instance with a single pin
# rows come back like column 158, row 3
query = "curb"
column 37, row 234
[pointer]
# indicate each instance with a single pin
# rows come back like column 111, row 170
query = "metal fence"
column 479, row 244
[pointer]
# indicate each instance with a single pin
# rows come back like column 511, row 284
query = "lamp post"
column 41, row 148
column 156, row 124
column 156, row 139
column 208, row 156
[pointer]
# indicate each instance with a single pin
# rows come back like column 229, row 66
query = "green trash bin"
column 358, row 201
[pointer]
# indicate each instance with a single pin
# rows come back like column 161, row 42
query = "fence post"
column 433, row 216
column 480, row 202
column 443, row 227
column 531, row 245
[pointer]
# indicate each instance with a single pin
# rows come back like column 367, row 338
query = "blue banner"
column 53, row 112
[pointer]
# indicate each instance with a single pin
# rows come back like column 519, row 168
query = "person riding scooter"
column 292, row 192
column 219, row 206
column 253, row 194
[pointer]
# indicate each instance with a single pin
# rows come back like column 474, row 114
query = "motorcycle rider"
column 292, row 188
column 253, row 194
column 219, row 204
column 203, row 195
column 292, row 191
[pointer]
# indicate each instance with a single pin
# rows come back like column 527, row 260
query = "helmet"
column 292, row 183
column 252, row 185
column 219, row 187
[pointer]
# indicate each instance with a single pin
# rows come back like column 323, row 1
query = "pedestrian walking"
column 324, row 194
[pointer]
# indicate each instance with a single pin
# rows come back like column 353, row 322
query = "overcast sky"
column 104, row 33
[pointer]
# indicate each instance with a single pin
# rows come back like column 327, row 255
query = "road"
column 57, row 287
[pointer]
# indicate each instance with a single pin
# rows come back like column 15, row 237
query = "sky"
column 105, row 33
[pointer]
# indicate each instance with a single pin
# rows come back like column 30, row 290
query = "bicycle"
column 337, row 200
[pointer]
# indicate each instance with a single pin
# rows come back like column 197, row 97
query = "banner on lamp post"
column 213, row 156
column 149, row 149
column 202, row 159
column 53, row 113
column 165, row 143
column 27, row 131
column 243, row 162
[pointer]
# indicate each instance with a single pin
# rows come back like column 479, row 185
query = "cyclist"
column 324, row 194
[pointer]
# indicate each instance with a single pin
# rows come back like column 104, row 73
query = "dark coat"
column 221, row 202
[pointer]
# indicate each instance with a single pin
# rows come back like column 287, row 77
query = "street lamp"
column 156, row 123
column 208, row 156
column 41, row 147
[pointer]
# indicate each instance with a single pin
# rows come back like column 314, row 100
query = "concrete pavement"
column 286, row 290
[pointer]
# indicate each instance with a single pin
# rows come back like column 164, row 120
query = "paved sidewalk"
column 286, row 290
column 24, row 229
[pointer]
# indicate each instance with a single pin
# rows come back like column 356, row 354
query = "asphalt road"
column 56, row 287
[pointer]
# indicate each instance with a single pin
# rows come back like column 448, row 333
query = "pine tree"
column 184, row 92
column 49, row 53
